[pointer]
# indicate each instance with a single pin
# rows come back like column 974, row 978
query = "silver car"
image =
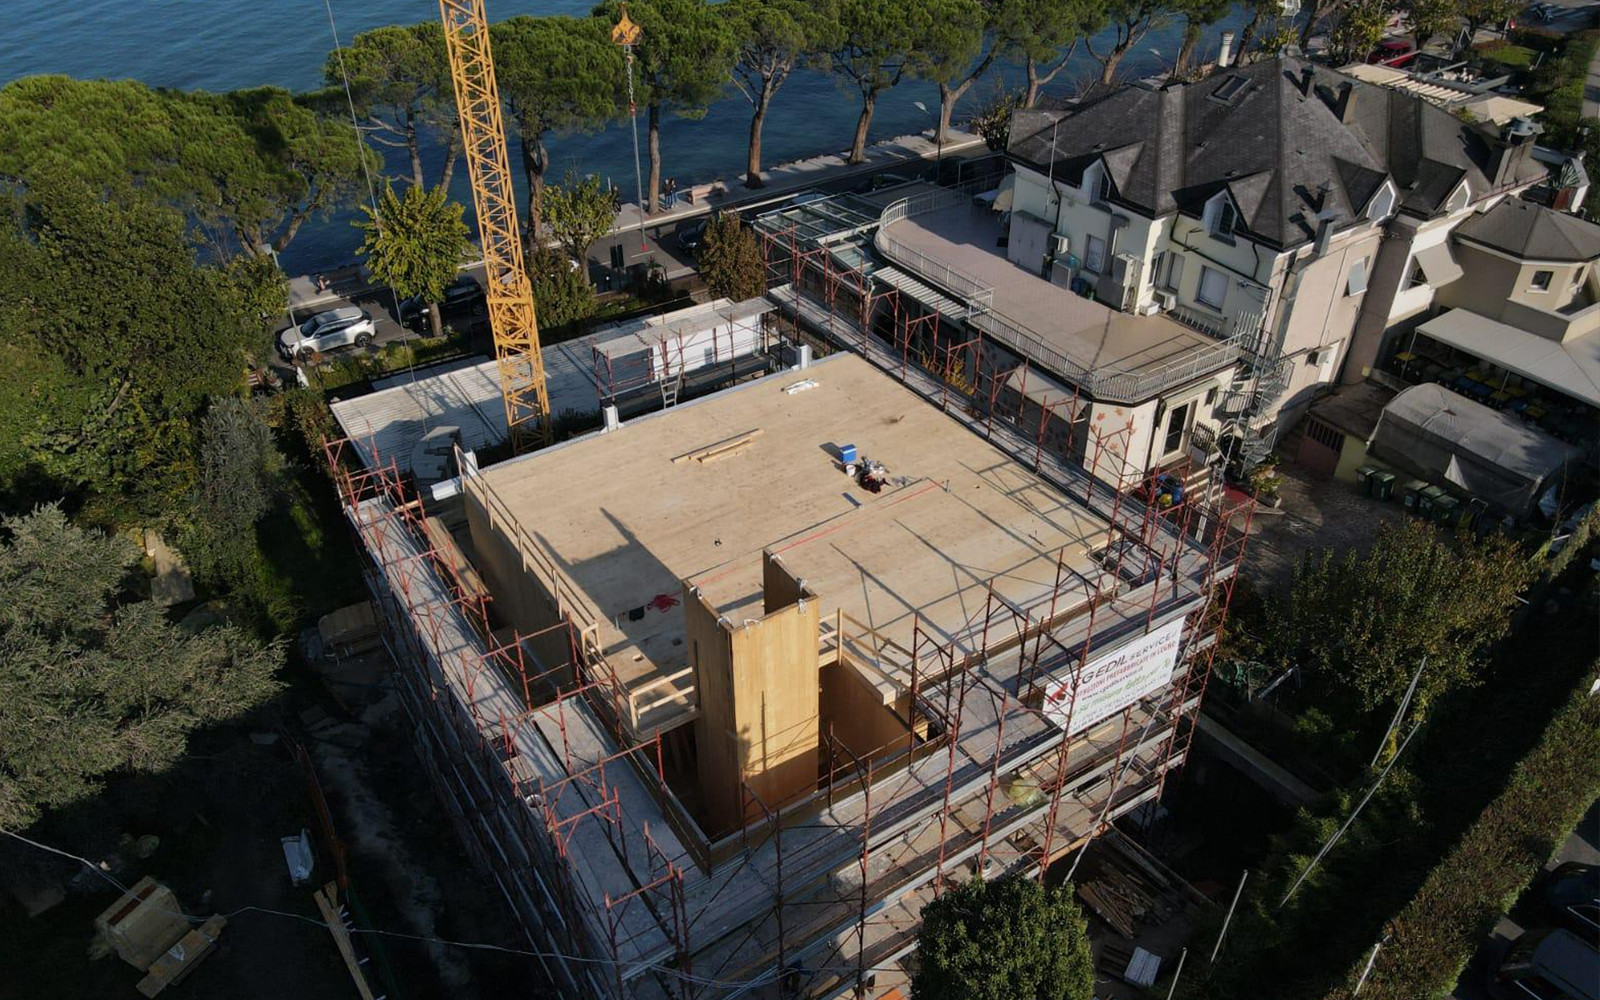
column 326, row 331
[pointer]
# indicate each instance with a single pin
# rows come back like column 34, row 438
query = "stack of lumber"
column 1121, row 899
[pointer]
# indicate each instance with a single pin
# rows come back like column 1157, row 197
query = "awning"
column 1438, row 266
column 1572, row 368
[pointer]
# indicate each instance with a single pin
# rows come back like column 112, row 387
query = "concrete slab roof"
column 1089, row 333
column 630, row 514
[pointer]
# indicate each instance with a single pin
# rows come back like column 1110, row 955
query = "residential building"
column 1507, row 311
column 1189, row 261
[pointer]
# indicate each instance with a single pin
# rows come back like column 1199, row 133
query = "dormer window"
column 1382, row 205
column 1227, row 218
column 1221, row 217
column 1097, row 183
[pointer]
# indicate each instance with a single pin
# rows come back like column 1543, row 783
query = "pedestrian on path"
column 670, row 186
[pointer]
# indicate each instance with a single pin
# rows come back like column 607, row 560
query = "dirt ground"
column 1316, row 512
column 219, row 817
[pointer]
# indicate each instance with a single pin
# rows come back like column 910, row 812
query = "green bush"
column 1003, row 939
column 1434, row 937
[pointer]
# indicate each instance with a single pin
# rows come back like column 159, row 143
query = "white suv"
column 326, row 331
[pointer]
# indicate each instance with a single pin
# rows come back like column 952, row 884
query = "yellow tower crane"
column 510, row 294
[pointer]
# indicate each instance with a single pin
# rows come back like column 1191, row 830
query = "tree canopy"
column 399, row 78
column 415, row 243
column 241, row 475
column 557, row 75
column 1358, row 26
column 247, row 167
column 877, row 49
column 1359, row 626
column 1045, row 34
column 577, row 213
column 958, row 48
column 1129, row 21
column 91, row 682
column 731, row 261
column 1428, row 19
column 1010, row 939
column 773, row 38
column 682, row 62
column 112, row 337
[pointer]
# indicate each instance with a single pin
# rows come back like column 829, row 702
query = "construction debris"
column 149, row 930
column 180, row 959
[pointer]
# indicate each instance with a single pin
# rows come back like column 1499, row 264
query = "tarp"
column 1444, row 436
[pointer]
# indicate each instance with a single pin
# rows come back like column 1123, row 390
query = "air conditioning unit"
column 1315, row 358
column 1060, row 246
column 1166, row 300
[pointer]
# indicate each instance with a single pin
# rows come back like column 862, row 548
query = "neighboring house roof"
column 1494, row 108
column 1272, row 134
column 1533, row 232
column 1353, row 409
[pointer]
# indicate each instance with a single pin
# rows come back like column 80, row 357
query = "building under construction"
column 723, row 695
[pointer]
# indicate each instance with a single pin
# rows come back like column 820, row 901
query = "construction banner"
column 1114, row 681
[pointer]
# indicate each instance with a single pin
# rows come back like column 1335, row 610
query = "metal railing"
column 1110, row 384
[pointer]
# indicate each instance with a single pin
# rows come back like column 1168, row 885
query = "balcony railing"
column 1099, row 381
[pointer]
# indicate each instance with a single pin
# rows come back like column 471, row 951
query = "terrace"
column 942, row 238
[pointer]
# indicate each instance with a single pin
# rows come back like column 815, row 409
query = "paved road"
column 1583, row 845
column 659, row 242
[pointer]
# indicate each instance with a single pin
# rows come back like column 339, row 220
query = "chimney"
column 1225, row 54
column 1306, row 73
column 1324, row 232
column 1509, row 149
column 1345, row 105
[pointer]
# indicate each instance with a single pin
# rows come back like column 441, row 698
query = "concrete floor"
column 1316, row 513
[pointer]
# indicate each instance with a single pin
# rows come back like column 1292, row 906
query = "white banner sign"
column 1115, row 681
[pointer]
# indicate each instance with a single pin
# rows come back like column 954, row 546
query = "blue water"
column 229, row 44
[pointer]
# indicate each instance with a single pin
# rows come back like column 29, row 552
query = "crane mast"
column 510, row 294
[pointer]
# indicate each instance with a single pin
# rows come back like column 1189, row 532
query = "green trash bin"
column 1364, row 478
column 1428, row 502
column 1411, row 495
column 1446, row 510
column 1381, row 485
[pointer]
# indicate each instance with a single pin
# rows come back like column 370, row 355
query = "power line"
column 738, row 984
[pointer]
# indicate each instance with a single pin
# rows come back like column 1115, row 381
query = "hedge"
column 1436, row 934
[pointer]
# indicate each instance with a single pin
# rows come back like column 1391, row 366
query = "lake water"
column 229, row 44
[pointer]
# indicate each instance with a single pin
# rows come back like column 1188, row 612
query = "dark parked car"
column 1550, row 964
column 692, row 235
column 463, row 293
column 1573, row 895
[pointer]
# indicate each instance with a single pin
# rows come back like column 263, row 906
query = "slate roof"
column 1272, row 143
column 1533, row 232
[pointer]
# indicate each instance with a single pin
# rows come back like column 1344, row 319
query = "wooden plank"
column 341, row 937
column 718, row 449
column 180, row 960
